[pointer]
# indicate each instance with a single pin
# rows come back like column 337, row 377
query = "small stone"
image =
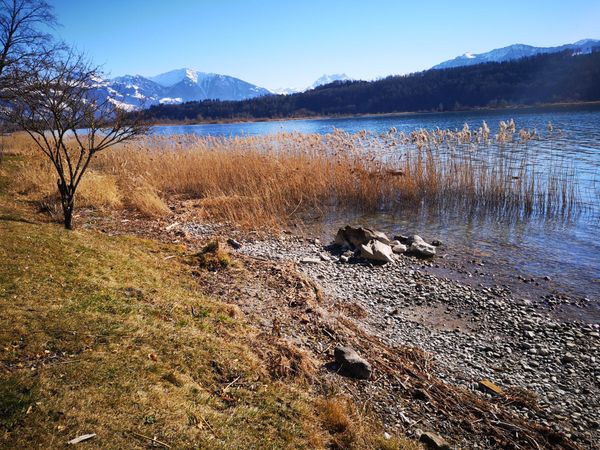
column 351, row 364
column 325, row 257
column 434, row 441
column 387, row 436
column 344, row 258
column 310, row 260
column 421, row 248
column 399, row 248
column 567, row 358
column 234, row 244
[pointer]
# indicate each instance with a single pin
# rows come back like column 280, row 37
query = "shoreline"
column 469, row 333
column 498, row 110
column 472, row 333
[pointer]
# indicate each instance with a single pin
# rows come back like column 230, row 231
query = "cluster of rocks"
column 474, row 333
column 376, row 246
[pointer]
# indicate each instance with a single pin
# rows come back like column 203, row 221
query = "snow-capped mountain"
column 517, row 51
column 176, row 86
column 285, row 91
column 326, row 79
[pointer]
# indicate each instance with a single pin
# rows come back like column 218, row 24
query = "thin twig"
column 150, row 439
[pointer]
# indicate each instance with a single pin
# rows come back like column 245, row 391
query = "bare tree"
column 24, row 37
column 58, row 105
column 24, row 26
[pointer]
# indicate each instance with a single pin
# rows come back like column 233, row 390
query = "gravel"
column 474, row 333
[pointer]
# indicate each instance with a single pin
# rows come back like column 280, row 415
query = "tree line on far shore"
column 542, row 79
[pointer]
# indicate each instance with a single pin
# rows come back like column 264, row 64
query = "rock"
column 234, row 244
column 434, row 440
column 567, row 358
column 366, row 251
column 381, row 237
column 399, row 249
column 310, row 260
column 382, row 252
column 437, row 243
column 377, row 251
column 344, row 258
column 355, row 237
column 325, row 257
column 402, row 239
column 387, row 436
column 421, row 248
column 340, row 239
column 351, row 364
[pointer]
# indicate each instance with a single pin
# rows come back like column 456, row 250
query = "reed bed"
column 271, row 180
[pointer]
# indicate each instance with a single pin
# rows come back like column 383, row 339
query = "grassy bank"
column 272, row 180
column 110, row 335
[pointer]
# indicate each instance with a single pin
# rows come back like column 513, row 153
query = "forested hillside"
column 549, row 78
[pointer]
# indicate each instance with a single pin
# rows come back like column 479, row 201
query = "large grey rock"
column 377, row 251
column 340, row 239
column 366, row 251
column 420, row 248
column 382, row 252
column 349, row 363
column 357, row 236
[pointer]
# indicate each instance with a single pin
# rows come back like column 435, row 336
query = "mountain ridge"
column 516, row 51
column 176, row 86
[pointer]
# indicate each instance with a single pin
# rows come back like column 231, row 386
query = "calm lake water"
column 567, row 250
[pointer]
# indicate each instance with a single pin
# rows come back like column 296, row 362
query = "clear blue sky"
column 275, row 43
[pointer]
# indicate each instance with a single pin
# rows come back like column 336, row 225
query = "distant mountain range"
column 184, row 85
column 564, row 77
column 177, row 86
column 516, row 51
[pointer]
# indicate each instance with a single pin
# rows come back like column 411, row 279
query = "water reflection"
column 565, row 248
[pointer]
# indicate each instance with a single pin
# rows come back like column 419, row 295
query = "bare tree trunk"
column 67, row 200
column 68, row 213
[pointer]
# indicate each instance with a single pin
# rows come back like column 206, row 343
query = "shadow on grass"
column 15, row 218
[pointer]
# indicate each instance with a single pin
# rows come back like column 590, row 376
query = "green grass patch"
column 15, row 400
column 110, row 335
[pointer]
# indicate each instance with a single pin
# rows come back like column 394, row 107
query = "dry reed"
column 269, row 180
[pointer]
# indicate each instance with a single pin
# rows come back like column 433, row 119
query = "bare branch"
column 57, row 105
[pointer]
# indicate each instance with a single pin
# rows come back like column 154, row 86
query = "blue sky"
column 290, row 44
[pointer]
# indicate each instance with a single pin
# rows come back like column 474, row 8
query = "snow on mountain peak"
column 173, row 77
column 175, row 86
column 516, row 51
column 326, row 79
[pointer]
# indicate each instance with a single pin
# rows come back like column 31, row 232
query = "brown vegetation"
column 111, row 335
column 270, row 180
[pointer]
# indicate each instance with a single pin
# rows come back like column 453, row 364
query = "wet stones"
column 419, row 247
column 376, row 246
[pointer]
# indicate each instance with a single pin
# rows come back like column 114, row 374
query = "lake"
column 567, row 250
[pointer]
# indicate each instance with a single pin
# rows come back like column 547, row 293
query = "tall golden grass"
column 269, row 180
